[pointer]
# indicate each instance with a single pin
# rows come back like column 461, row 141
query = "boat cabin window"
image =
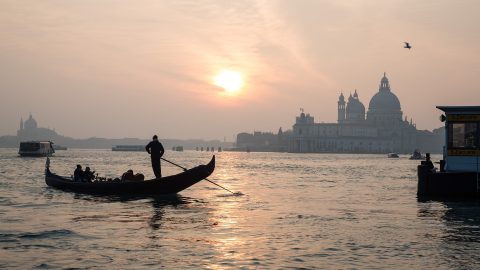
column 29, row 146
column 463, row 135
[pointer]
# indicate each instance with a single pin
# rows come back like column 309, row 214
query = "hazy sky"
column 112, row 68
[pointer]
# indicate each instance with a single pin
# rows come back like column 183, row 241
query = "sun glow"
column 230, row 81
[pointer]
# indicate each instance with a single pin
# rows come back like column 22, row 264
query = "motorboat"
column 392, row 155
column 36, row 149
column 417, row 155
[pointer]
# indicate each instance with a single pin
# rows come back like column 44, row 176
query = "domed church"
column 384, row 107
column 29, row 130
column 380, row 130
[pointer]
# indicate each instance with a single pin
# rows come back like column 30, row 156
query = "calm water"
column 318, row 211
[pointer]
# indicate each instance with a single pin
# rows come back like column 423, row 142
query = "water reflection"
column 458, row 231
column 226, row 220
column 174, row 199
column 461, row 218
column 463, row 221
column 158, row 208
column 158, row 205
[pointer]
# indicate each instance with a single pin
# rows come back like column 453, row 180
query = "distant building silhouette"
column 29, row 130
column 380, row 130
column 263, row 141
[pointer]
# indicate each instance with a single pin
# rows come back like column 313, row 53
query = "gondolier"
column 155, row 149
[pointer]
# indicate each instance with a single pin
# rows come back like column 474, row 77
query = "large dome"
column 384, row 100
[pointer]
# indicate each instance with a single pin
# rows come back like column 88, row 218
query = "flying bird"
column 407, row 45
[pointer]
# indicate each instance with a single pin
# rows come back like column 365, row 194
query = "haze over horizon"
column 120, row 69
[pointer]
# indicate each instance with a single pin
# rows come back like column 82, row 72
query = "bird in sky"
column 407, row 45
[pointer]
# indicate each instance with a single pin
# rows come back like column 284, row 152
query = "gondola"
column 164, row 186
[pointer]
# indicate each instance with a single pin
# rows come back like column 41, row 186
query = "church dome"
column 384, row 100
column 355, row 111
column 30, row 123
column 354, row 105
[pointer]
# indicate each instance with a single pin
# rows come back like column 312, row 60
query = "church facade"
column 381, row 129
column 29, row 130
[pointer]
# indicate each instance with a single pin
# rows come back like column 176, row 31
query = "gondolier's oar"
column 235, row 193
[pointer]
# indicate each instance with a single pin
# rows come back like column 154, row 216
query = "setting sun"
column 230, row 81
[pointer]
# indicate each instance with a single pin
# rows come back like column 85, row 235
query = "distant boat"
column 59, row 147
column 417, row 155
column 392, row 155
column 36, row 149
column 131, row 148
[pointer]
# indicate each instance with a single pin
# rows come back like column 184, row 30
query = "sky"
column 116, row 69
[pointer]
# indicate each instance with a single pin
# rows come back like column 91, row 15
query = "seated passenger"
column 129, row 176
column 88, row 174
column 78, row 174
column 139, row 177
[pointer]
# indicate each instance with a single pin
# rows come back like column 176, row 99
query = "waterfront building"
column 263, row 141
column 381, row 129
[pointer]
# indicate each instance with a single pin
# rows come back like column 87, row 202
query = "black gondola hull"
column 168, row 185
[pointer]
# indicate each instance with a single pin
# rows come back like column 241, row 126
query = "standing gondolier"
column 155, row 149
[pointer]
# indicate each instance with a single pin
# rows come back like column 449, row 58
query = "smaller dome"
column 341, row 98
column 354, row 106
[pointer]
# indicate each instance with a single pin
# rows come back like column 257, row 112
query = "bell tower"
column 341, row 108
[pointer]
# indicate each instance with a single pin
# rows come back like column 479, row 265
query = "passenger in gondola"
column 138, row 177
column 88, row 174
column 78, row 174
column 129, row 176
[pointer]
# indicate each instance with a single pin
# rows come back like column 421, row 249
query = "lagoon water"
column 312, row 211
